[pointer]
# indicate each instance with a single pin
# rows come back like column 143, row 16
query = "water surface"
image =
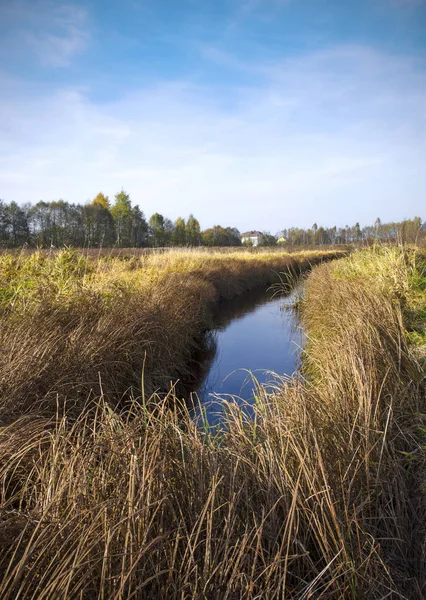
column 255, row 333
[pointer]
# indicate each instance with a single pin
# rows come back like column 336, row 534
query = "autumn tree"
column 102, row 200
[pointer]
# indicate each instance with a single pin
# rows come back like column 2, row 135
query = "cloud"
column 54, row 32
column 71, row 39
column 332, row 136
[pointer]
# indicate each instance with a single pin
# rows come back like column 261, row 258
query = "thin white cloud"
column 54, row 32
column 336, row 136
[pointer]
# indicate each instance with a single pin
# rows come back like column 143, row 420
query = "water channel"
column 254, row 333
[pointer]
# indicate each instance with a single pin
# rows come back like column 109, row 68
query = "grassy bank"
column 320, row 496
column 74, row 324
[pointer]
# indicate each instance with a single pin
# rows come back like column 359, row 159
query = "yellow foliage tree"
column 102, row 200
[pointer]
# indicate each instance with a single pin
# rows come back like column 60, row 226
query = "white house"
column 251, row 236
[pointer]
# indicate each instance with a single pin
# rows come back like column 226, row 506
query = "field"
column 120, row 495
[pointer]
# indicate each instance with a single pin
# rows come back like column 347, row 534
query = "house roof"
column 251, row 234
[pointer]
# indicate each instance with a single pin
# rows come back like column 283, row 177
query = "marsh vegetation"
column 74, row 325
column 119, row 494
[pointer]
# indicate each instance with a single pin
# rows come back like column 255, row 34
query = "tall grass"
column 72, row 325
column 318, row 496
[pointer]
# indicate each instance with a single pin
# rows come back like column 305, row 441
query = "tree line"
column 407, row 231
column 102, row 223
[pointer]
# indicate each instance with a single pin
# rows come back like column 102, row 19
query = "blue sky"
column 259, row 114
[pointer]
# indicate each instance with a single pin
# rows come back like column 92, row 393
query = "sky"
column 255, row 114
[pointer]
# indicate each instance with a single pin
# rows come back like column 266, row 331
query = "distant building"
column 251, row 236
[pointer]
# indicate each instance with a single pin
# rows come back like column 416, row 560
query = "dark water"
column 254, row 333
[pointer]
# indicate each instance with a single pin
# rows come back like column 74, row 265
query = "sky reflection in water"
column 253, row 333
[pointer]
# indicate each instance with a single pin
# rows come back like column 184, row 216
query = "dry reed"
column 318, row 496
column 67, row 320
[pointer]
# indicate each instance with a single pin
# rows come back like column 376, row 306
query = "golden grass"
column 72, row 325
column 320, row 495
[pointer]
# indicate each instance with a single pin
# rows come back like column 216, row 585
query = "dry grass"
column 96, row 253
column 321, row 495
column 68, row 321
